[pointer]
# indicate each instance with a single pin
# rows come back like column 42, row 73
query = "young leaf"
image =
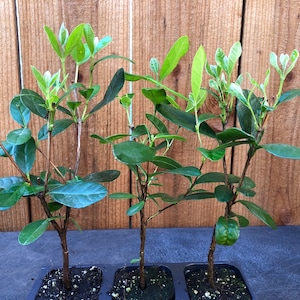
column 196, row 77
column 234, row 55
column 237, row 91
column 78, row 194
column 32, row 231
column 133, row 153
column 134, row 209
column 259, row 212
column 73, row 39
column 177, row 51
column 89, row 36
column 53, row 41
column 154, row 65
column 157, row 96
column 283, row 150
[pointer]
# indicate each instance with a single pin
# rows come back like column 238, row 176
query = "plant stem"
column 211, row 254
column 142, row 249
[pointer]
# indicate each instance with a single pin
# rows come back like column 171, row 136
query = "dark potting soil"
column 85, row 281
column 229, row 282
column 159, row 284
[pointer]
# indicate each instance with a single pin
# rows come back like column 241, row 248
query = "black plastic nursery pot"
column 174, row 281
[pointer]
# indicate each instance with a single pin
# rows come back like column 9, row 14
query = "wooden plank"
column 274, row 26
column 156, row 26
column 16, row 217
column 106, row 18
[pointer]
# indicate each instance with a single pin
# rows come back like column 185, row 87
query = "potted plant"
column 252, row 112
column 63, row 103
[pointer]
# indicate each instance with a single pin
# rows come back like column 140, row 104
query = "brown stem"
column 64, row 246
column 142, row 249
column 211, row 253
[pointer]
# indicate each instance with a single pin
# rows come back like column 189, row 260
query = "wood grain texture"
column 106, row 18
column 17, row 217
column 274, row 26
column 156, row 26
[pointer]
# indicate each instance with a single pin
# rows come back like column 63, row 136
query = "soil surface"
column 159, row 284
column 229, row 282
column 86, row 283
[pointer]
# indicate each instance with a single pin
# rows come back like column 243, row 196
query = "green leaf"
column 166, row 162
column 10, row 196
column 91, row 92
column 213, row 154
column 103, row 43
column 233, row 134
column 169, row 137
column 233, row 57
column 223, row 193
column 243, row 222
column 159, row 125
column 53, row 40
column 156, row 96
column 134, row 209
column 33, row 231
column 274, row 63
column 24, row 155
column 112, row 91
column 178, row 117
column 259, row 212
column 109, row 139
column 199, row 195
column 89, row 36
column 247, row 192
column 283, row 150
column 121, row 196
column 154, row 65
column 54, row 206
column 59, row 127
column 133, row 153
column 7, row 182
column 185, row 171
column 19, row 112
column 34, row 102
column 74, row 38
column 18, row 136
column 177, row 51
column 9, row 148
column 79, row 54
column 237, row 91
column 104, row 176
column 227, row 231
column 196, row 77
column 289, row 95
column 78, row 194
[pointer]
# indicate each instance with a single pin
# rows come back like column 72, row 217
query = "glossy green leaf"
column 223, row 193
column 8, row 147
column 156, row 96
column 91, row 92
column 10, row 196
column 233, row 57
column 178, row 117
column 121, row 196
column 19, row 136
column 177, row 51
column 247, row 192
column 213, row 154
column 234, row 134
column 79, row 54
column 104, row 176
column 133, row 153
column 199, row 61
column 134, row 209
column 134, row 77
column 54, row 206
column 237, row 91
column 19, row 112
column 140, row 130
column 109, row 139
column 59, row 126
column 186, row 171
column 74, row 38
column 30, row 190
column 199, row 195
column 169, row 137
column 289, row 95
column 34, row 102
column 7, row 182
column 32, row 231
column 166, row 162
column 102, row 43
column 159, row 125
column 78, row 194
column 24, row 155
column 53, row 40
column 112, row 91
column 283, row 150
column 243, row 222
column 227, row 231
column 259, row 212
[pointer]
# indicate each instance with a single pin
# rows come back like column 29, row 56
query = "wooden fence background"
column 146, row 29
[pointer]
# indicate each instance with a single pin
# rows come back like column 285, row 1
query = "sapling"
column 252, row 112
column 59, row 189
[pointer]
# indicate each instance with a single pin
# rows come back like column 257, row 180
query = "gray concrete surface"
column 269, row 259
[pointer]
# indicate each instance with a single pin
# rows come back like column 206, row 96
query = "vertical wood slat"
column 156, row 26
column 17, row 217
column 274, row 26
